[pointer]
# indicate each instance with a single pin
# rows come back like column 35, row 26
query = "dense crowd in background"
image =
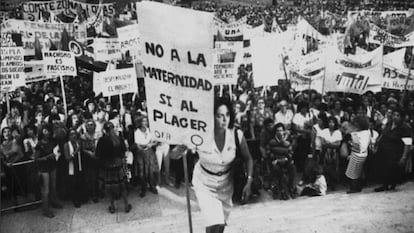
column 303, row 143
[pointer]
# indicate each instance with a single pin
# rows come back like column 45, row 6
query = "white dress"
column 214, row 193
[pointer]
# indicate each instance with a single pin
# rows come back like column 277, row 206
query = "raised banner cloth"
column 354, row 74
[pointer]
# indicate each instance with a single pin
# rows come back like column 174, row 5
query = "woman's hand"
column 247, row 191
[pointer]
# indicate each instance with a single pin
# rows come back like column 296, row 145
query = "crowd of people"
column 302, row 143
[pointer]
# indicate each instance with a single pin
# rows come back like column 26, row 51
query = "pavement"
column 388, row 212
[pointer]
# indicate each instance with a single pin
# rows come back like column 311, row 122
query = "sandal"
column 111, row 209
column 128, row 208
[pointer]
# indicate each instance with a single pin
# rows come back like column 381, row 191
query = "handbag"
column 239, row 172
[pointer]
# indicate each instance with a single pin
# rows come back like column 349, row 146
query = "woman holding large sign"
column 212, row 179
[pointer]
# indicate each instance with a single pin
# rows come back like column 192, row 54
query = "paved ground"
column 337, row 212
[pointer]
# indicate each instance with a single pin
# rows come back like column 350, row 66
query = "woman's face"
column 90, row 126
column 91, row 107
column 75, row 119
column 396, row 117
column 7, row 134
column 331, row 124
column 72, row 135
column 54, row 109
column 237, row 108
column 30, row 132
column 261, row 104
column 389, row 113
column 145, row 122
column 337, row 105
column 39, row 117
column 222, row 117
column 46, row 133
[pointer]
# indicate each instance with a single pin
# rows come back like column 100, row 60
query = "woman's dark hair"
column 138, row 121
column 2, row 133
column 72, row 130
column 53, row 116
column 278, row 125
column 400, row 111
column 48, row 127
column 324, row 118
column 29, row 126
column 303, row 105
column 107, row 126
column 335, row 121
column 225, row 101
column 361, row 123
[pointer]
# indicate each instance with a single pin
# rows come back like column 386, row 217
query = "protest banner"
column 59, row 63
column 380, row 36
column 227, row 59
column 178, row 73
column 34, row 71
column 308, row 82
column 354, row 74
column 395, row 72
column 32, row 9
column 267, row 61
column 128, row 37
column 12, row 68
column 106, row 49
column 115, row 82
column 45, row 32
column 230, row 31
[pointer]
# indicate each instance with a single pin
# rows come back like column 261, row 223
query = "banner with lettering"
column 45, row 32
column 267, row 60
column 354, row 74
column 395, row 72
column 227, row 59
column 177, row 55
column 35, row 71
column 230, row 31
column 12, row 68
column 32, row 9
column 380, row 36
column 115, row 82
column 106, row 49
column 128, row 37
column 59, row 63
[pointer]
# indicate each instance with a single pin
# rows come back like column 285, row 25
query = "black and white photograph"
column 206, row 116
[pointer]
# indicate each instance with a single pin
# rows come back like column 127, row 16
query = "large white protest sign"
column 106, row 49
column 231, row 31
column 228, row 57
column 12, row 68
column 115, row 82
column 355, row 74
column 32, row 9
column 45, row 32
column 128, row 37
column 396, row 72
column 59, row 63
column 267, row 60
column 177, row 48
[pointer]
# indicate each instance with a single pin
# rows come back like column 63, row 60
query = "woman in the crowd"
column 31, row 140
column 359, row 144
column 302, row 125
column 337, row 111
column 212, row 178
column 46, row 156
column 10, row 153
column 75, row 176
column 55, row 111
column 393, row 148
column 316, row 143
column 13, row 118
column 147, row 160
column 111, row 152
column 88, row 149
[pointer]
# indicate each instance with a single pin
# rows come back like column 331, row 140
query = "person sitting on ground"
column 283, row 169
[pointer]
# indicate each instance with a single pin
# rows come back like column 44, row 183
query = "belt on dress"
column 215, row 173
